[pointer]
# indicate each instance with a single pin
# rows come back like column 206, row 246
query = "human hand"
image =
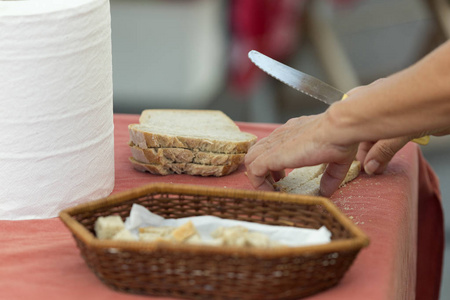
column 303, row 141
column 375, row 156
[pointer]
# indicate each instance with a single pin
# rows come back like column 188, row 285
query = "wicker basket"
column 208, row 272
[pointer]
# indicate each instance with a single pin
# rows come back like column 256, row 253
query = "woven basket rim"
column 358, row 241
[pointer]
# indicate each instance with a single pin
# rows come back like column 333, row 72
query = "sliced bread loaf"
column 180, row 155
column 184, row 168
column 306, row 180
column 203, row 130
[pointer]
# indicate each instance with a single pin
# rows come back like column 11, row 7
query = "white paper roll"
column 56, row 117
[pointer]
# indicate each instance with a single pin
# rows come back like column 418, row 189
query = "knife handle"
column 421, row 141
column 424, row 140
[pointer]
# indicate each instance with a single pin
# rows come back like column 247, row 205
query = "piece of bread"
column 184, row 232
column 152, row 233
column 108, row 227
column 242, row 237
column 164, row 156
column 184, row 168
column 231, row 236
column 203, row 130
column 124, row 235
column 306, row 180
column 162, row 231
column 299, row 177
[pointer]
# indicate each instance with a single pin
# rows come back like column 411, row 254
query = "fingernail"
column 371, row 167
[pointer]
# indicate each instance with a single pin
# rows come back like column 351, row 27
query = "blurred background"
column 193, row 54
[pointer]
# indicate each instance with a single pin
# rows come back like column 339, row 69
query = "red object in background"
column 272, row 27
column 268, row 26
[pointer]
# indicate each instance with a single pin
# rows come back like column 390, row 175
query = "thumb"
column 333, row 177
column 380, row 154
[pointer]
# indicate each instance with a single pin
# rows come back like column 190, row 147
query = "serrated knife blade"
column 300, row 81
column 305, row 83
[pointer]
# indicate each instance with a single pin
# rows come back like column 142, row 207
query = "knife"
column 305, row 83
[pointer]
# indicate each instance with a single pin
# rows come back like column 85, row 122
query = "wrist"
column 340, row 120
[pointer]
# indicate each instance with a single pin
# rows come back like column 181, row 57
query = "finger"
column 363, row 150
column 257, row 172
column 381, row 153
column 441, row 132
column 255, row 151
column 255, row 180
column 264, row 182
column 266, row 163
column 333, row 177
column 262, row 147
column 266, row 185
column 277, row 175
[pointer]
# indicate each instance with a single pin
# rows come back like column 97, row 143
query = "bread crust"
column 184, row 168
column 181, row 155
column 147, row 139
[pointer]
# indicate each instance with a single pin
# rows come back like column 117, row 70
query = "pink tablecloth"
column 400, row 211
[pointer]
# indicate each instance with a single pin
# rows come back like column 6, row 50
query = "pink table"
column 400, row 211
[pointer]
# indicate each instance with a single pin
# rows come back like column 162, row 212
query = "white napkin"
column 205, row 225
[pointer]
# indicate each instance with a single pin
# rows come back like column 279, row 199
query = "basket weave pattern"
column 208, row 272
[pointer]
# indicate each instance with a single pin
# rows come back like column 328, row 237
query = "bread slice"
column 184, row 168
column 203, row 130
column 299, row 177
column 180, row 155
column 306, row 180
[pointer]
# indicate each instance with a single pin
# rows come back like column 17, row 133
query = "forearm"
column 411, row 102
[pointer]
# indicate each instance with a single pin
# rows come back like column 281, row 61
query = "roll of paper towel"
column 56, row 117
